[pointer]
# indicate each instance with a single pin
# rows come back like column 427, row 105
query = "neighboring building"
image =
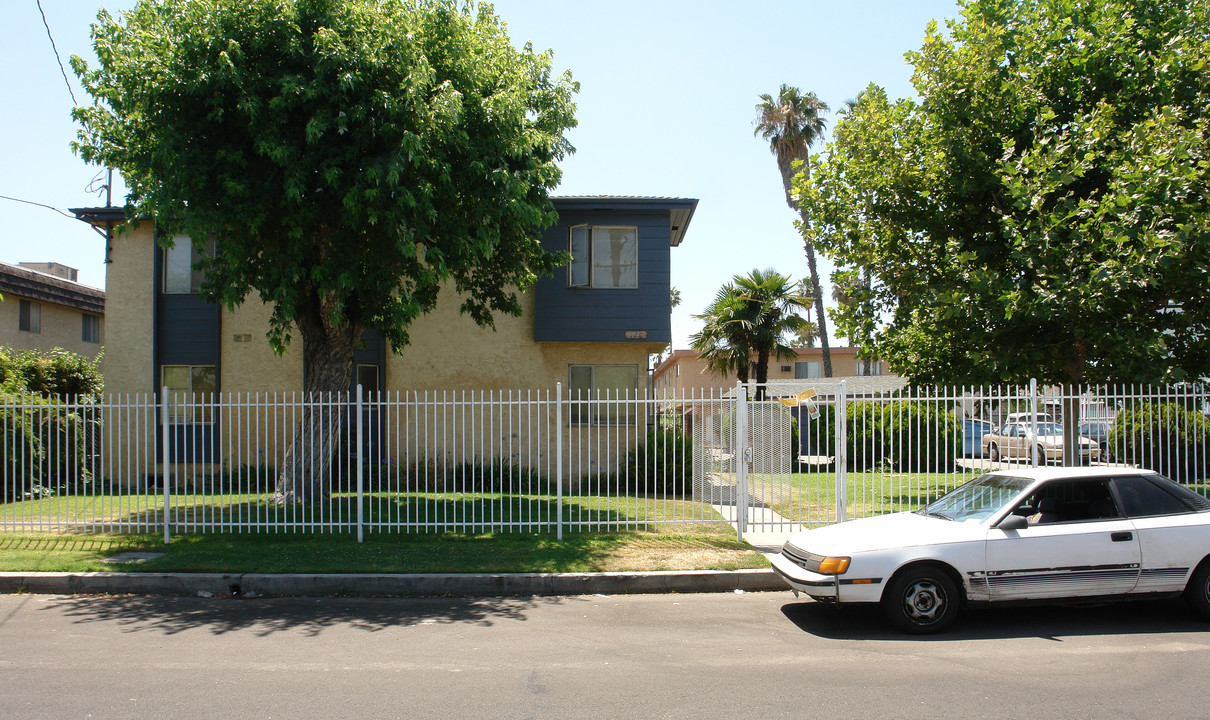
column 684, row 373
column 45, row 308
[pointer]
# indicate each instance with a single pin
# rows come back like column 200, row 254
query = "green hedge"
column 1165, row 437
column 896, row 434
column 662, row 465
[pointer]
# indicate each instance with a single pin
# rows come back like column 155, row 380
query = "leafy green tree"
column 1041, row 210
column 349, row 159
column 791, row 123
column 754, row 314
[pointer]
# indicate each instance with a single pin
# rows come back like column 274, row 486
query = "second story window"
column 29, row 316
column 603, row 256
column 180, row 277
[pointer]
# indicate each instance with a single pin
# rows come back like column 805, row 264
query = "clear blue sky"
column 667, row 100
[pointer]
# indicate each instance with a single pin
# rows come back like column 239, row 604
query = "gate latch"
column 748, row 454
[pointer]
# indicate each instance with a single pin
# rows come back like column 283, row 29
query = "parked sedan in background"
column 1017, row 440
column 1098, row 432
column 972, row 436
column 1020, row 535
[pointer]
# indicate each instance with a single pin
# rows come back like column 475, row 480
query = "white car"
column 1014, row 536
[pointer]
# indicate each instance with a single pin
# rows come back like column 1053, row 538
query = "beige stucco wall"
column 471, row 394
column 61, row 327
column 247, row 363
column 128, row 365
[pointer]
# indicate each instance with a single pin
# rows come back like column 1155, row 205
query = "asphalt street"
column 723, row 655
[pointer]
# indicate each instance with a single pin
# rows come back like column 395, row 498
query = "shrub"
column 662, row 465
column 48, row 444
column 1166, row 437
column 902, row 435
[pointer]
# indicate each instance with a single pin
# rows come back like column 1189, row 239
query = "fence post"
column 842, row 460
column 741, row 452
column 558, row 461
column 167, row 492
column 1033, row 419
column 360, row 467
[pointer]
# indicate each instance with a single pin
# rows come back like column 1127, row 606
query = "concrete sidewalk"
column 416, row 585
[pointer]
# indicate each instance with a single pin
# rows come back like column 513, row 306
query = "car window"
column 1064, row 501
column 1143, row 497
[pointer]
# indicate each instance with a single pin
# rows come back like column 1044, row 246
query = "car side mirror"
column 1013, row 522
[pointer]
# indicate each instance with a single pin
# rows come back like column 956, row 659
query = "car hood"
column 885, row 531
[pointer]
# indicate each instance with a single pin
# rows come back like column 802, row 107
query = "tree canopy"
column 1041, row 209
column 348, row 158
column 753, row 315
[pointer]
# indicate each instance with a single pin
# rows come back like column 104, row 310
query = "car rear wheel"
column 1197, row 592
column 921, row 599
column 994, row 453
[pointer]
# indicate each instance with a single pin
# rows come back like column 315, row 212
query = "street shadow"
column 1051, row 622
column 167, row 615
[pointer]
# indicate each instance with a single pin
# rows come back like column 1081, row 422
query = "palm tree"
column 791, row 123
column 753, row 314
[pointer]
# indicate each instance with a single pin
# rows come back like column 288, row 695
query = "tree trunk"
column 305, row 474
column 822, row 322
column 786, row 165
column 762, row 373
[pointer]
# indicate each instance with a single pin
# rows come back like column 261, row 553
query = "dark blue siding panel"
column 187, row 331
column 566, row 314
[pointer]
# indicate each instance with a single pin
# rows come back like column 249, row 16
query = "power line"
column 30, row 202
column 57, row 58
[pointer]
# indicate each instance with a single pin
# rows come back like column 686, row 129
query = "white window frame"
column 582, row 271
column 597, row 406
column 173, row 282
column 189, row 405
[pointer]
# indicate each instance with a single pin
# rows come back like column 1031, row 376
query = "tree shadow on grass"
column 308, row 616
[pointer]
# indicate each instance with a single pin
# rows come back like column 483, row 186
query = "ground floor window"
column 603, row 394
column 190, row 390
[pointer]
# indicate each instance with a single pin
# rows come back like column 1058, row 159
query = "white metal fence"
column 801, row 453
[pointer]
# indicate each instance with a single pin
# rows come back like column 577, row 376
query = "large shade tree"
column 791, row 123
column 754, row 315
column 1041, row 209
column 348, row 159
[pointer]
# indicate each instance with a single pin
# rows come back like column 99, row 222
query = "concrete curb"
column 417, row 585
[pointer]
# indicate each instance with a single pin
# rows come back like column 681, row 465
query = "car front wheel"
column 1197, row 592
column 921, row 600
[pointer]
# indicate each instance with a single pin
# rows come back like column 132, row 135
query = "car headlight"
column 833, row 565
column 822, row 564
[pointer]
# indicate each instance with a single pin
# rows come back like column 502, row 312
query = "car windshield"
column 1049, row 429
column 977, row 500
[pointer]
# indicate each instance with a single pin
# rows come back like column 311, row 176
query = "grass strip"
column 703, row 548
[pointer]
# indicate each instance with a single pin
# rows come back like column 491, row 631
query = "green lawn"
column 467, row 512
column 693, row 548
column 454, row 532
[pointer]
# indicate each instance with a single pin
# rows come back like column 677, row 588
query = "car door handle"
column 1121, row 536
